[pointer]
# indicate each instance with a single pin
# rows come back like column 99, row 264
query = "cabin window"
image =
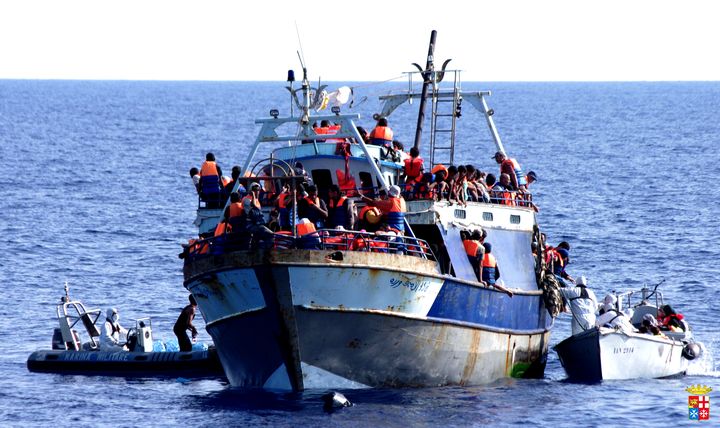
column 487, row 216
column 460, row 214
column 514, row 219
column 322, row 178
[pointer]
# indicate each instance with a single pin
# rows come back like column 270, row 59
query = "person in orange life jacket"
column 413, row 168
column 381, row 135
column 195, row 175
column 313, row 208
column 210, row 174
column 670, row 320
column 340, row 210
column 235, row 214
column 423, row 189
column 323, row 129
column 184, row 323
column 474, row 249
column 393, row 208
column 512, row 168
column 284, row 204
column 490, row 268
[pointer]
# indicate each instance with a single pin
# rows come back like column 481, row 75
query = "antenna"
column 301, row 52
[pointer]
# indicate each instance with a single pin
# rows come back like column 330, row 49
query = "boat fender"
column 691, row 351
column 551, row 295
column 334, row 400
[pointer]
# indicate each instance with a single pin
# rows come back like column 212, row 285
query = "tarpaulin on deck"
column 456, row 251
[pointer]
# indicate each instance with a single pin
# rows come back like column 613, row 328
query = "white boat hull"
column 607, row 354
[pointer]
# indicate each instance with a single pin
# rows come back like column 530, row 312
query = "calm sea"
column 97, row 193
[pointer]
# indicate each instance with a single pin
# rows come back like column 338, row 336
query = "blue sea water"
column 97, row 193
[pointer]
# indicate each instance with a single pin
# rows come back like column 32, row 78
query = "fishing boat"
column 75, row 350
column 338, row 308
column 603, row 353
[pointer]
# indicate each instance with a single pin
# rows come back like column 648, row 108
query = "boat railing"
column 323, row 240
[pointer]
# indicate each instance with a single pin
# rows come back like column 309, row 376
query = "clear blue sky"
column 366, row 40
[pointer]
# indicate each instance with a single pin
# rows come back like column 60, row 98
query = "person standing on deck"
column 313, row 208
column 210, row 184
column 381, row 135
column 582, row 303
column 512, row 168
column 413, row 169
column 184, row 323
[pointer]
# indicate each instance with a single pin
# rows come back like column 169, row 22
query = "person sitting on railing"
column 477, row 190
column 500, row 192
column 195, row 175
column 439, row 186
column 340, row 209
column 452, row 173
column 459, row 189
column 423, row 189
column 313, row 208
column 393, row 208
column 530, row 178
column 512, row 168
column 210, row 174
column 234, row 175
column 381, row 135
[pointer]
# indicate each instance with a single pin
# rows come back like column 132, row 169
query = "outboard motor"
column 691, row 351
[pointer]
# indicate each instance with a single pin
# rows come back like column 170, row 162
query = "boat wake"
column 705, row 365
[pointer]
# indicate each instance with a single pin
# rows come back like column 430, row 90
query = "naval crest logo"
column 698, row 402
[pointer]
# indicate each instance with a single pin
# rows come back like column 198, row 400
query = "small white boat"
column 75, row 350
column 609, row 353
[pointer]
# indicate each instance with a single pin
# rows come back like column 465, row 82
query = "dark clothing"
column 305, row 210
column 184, row 323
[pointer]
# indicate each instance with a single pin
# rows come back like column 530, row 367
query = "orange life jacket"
column 413, row 167
column 346, row 183
column 208, row 168
column 222, row 228
column 382, row 133
column 304, row 228
column 471, row 247
column 236, row 209
column 282, row 200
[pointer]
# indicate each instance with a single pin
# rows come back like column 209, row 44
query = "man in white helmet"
column 582, row 303
column 113, row 335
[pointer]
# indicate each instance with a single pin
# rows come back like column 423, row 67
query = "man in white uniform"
column 113, row 335
column 582, row 303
